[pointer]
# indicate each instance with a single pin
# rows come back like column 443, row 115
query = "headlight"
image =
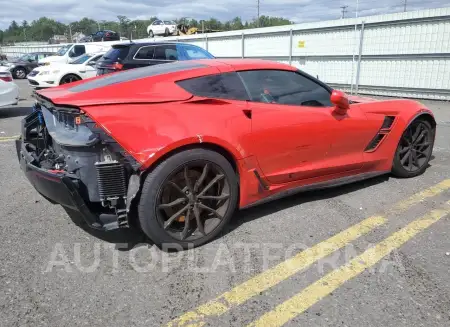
column 55, row 72
column 45, row 72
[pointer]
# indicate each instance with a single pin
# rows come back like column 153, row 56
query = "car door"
column 89, row 70
column 157, row 27
column 98, row 36
column 296, row 134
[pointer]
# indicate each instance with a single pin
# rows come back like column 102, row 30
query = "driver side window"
column 285, row 87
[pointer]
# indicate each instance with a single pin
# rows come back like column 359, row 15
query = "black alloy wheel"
column 193, row 201
column 414, row 149
column 69, row 79
column 20, row 73
column 188, row 198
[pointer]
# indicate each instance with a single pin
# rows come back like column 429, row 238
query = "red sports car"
column 174, row 149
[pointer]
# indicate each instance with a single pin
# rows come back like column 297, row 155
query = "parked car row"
column 74, row 62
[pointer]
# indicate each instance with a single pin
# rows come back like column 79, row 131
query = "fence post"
column 358, row 68
column 290, row 46
column 243, row 45
column 206, row 41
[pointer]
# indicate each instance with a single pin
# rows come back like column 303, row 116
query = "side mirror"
column 340, row 100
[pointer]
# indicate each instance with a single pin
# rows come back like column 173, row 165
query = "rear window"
column 223, row 86
column 193, row 52
column 137, row 73
column 114, row 54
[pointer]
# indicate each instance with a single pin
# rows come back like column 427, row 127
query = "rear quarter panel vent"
column 388, row 121
column 375, row 142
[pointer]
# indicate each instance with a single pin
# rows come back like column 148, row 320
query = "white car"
column 57, row 73
column 162, row 27
column 9, row 91
column 69, row 52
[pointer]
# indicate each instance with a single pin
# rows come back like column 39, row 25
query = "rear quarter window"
column 222, row 86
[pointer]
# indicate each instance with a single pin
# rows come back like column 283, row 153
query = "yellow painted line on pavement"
column 275, row 275
column 324, row 286
column 9, row 138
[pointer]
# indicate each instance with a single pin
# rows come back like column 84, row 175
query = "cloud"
column 295, row 10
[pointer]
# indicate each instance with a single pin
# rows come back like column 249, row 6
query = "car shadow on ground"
column 248, row 215
column 127, row 239
column 15, row 111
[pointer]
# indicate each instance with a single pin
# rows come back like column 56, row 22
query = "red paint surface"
column 289, row 146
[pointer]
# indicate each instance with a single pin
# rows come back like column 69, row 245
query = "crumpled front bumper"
column 58, row 188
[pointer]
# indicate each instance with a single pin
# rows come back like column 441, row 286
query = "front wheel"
column 150, row 33
column 188, row 198
column 20, row 73
column 414, row 149
column 69, row 79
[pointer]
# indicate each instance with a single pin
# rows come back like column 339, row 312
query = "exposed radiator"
column 111, row 180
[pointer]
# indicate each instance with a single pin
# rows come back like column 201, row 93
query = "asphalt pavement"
column 374, row 253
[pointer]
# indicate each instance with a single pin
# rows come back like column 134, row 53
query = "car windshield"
column 81, row 59
column 62, row 51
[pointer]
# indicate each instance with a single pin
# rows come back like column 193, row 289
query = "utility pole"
column 404, row 5
column 257, row 23
column 70, row 32
column 344, row 10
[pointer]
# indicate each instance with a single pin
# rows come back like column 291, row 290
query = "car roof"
column 141, row 44
column 245, row 64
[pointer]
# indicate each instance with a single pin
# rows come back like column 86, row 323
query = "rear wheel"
column 188, row 198
column 70, row 78
column 414, row 149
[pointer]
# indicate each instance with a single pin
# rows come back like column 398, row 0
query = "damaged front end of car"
column 72, row 161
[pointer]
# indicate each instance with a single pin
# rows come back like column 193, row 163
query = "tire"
column 20, row 73
column 153, row 218
column 416, row 151
column 166, row 32
column 150, row 34
column 69, row 78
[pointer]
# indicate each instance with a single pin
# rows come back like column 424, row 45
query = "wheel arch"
column 425, row 116
column 228, row 155
column 231, row 158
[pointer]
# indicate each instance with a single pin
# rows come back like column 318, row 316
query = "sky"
column 295, row 10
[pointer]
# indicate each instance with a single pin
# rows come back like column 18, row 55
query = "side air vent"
column 374, row 143
column 388, row 121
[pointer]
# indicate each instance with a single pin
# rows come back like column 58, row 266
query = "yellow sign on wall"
column 301, row 44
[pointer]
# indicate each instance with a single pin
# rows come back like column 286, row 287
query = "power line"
column 344, row 10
